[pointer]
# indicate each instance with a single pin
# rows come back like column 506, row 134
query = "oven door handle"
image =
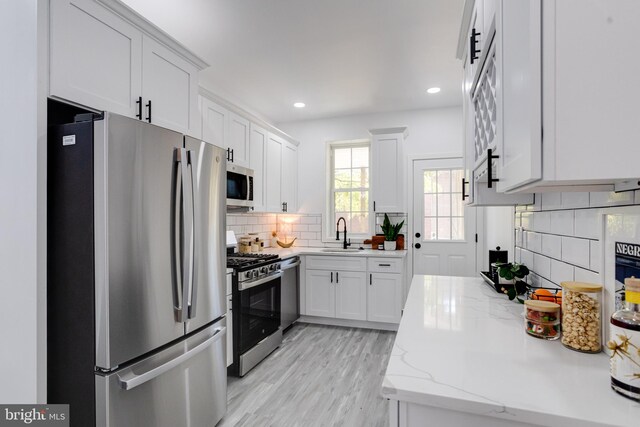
column 287, row 267
column 257, row 282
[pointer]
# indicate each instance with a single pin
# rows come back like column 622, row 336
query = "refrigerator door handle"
column 193, row 289
column 176, row 236
column 129, row 380
column 187, row 232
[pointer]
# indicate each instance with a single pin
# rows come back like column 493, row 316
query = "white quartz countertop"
column 289, row 252
column 461, row 346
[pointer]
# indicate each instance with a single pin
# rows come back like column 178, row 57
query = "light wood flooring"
column 320, row 376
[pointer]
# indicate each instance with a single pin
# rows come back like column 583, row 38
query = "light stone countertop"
column 285, row 253
column 461, row 346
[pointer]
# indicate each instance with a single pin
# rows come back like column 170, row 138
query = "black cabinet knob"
column 417, row 234
column 418, row 245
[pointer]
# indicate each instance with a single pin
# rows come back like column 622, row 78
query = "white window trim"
column 328, row 225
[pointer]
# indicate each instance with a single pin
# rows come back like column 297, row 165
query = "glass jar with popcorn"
column 582, row 316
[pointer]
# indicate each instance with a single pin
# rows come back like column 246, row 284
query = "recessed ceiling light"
column 299, row 105
column 433, row 90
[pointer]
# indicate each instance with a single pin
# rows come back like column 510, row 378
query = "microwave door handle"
column 193, row 288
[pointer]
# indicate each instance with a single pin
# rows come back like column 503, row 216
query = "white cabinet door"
column 257, row 155
column 290, row 177
column 384, row 297
column 387, row 173
column 238, row 140
column 214, row 122
column 169, row 89
column 320, row 293
column 518, row 89
column 273, row 175
column 95, row 57
column 351, row 295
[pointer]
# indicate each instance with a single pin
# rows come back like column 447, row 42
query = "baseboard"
column 349, row 323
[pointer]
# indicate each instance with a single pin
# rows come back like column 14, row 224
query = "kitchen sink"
column 340, row 250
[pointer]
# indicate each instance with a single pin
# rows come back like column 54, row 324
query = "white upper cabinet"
column 257, row 156
column 290, row 177
column 387, row 169
column 546, row 97
column 214, row 122
column 170, row 89
column 100, row 59
column 95, row 57
column 273, row 173
column 238, row 139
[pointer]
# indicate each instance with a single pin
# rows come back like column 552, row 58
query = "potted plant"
column 390, row 233
column 511, row 275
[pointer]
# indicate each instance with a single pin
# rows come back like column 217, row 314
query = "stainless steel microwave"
column 239, row 187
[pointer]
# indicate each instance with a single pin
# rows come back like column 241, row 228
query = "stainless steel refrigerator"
column 136, row 274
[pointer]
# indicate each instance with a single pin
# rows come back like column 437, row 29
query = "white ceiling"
column 340, row 57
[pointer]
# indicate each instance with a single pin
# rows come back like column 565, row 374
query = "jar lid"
column 632, row 284
column 545, row 306
column 582, row 287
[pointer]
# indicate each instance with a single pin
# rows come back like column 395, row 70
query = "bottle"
column 624, row 343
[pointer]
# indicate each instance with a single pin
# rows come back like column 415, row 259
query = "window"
column 350, row 177
column 443, row 208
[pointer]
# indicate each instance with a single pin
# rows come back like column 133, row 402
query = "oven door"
column 259, row 314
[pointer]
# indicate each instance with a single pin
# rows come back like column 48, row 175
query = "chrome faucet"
column 344, row 244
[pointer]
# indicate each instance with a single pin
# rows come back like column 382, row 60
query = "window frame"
column 328, row 224
column 451, row 193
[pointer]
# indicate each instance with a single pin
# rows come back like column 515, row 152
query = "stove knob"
column 264, row 270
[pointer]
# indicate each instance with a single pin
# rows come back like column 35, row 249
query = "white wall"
column 433, row 131
column 499, row 225
column 22, row 207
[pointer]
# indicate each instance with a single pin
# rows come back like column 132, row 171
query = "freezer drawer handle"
column 128, row 380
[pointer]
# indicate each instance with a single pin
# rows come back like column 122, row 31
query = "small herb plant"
column 515, row 272
column 391, row 230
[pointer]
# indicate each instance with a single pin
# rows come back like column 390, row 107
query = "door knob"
column 418, row 245
column 417, row 234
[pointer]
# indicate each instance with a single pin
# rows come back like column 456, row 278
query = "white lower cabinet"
column 351, row 295
column 355, row 291
column 384, row 297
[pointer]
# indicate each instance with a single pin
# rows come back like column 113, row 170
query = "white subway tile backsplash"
column 542, row 265
column 301, row 242
column 300, row 227
column 562, row 222
column 551, row 245
column 518, row 255
column 541, row 222
column 594, row 255
column 519, row 240
column 526, row 258
column 316, row 243
column 309, row 219
column 517, row 222
column 534, row 241
column 561, row 271
column 526, row 222
column 611, row 199
column 575, row 200
column 587, row 276
column 551, row 201
column 534, row 280
column 587, row 223
column 315, row 227
column 308, row 235
column 575, row 251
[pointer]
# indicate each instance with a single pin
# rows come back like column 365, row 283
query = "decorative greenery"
column 391, row 230
column 514, row 271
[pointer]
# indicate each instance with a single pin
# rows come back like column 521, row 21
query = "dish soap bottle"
column 625, row 343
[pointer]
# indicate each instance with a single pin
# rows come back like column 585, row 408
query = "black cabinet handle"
column 149, row 111
column 473, row 42
column 337, row 278
column 374, row 205
column 370, row 279
column 491, row 156
column 232, row 156
column 332, row 277
column 418, row 245
column 464, row 182
column 417, row 234
column 139, row 102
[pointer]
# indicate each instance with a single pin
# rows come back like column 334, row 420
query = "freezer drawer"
column 183, row 385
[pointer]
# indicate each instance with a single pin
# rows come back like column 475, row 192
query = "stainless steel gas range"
column 256, row 308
